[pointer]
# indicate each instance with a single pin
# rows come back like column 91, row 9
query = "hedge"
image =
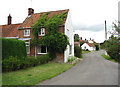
column 13, row 47
column 97, row 46
column 14, row 63
column 77, row 51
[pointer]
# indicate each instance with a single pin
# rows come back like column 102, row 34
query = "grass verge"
column 34, row 75
column 109, row 58
column 84, row 52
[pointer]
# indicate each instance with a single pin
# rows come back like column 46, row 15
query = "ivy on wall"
column 54, row 40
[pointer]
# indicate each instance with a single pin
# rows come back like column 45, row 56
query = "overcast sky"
column 88, row 16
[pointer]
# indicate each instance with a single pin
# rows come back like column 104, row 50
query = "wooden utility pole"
column 105, row 31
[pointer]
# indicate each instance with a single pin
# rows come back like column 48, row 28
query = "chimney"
column 30, row 11
column 9, row 19
column 80, row 38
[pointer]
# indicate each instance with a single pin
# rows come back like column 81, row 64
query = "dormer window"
column 41, row 32
column 26, row 32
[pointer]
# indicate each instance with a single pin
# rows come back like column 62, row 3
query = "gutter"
column 31, row 27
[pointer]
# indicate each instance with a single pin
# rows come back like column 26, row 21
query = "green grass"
column 109, row 58
column 34, row 75
column 84, row 52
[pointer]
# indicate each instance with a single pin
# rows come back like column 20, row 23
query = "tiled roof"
column 82, row 41
column 10, row 30
column 30, row 21
column 91, row 44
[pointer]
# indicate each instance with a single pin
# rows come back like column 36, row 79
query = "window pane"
column 27, row 32
column 43, row 32
column 43, row 49
column 39, row 33
column 39, row 49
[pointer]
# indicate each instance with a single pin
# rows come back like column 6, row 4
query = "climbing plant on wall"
column 54, row 40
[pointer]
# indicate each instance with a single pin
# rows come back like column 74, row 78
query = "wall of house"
column 69, row 33
column 87, row 47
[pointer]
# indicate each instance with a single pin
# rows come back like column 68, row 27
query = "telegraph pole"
column 105, row 31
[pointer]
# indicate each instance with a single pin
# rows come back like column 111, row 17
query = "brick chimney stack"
column 80, row 38
column 30, row 11
column 9, row 19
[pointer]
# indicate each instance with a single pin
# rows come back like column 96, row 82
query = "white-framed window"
column 41, row 32
column 28, row 49
column 41, row 50
column 27, row 42
column 26, row 32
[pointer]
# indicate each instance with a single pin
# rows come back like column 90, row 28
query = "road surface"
column 92, row 70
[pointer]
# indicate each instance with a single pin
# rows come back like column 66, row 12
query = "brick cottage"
column 23, row 32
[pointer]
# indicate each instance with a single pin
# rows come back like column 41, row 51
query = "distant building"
column 88, row 46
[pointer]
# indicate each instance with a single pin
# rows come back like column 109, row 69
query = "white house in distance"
column 89, row 45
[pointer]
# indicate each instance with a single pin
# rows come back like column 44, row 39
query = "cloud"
column 93, row 28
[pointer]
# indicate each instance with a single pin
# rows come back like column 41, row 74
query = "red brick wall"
column 60, row 55
column 32, row 51
column 32, row 48
column 61, row 29
column 21, row 34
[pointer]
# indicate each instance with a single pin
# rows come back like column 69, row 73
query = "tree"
column 81, row 43
column 76, row 37
column 112, row 45
column 97, row 46
column 77, row 51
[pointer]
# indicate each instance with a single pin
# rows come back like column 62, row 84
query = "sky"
column 88, row 16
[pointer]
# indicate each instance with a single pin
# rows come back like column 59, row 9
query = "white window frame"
column 29, row 49
column 27, row 31
column 28, row 46
column 42, row 53
column 41, row 33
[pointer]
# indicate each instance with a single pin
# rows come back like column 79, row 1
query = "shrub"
column 113, row 52
column 71, row 59
column 14, row 63
column 81, row 43
column 77, row 51
column 13, row 47
column 112, row 47
column 97, row 46
column 11, row 64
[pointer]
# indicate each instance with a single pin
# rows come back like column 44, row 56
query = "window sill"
column 41, row 53
column 28, row 52
column 26, row 35
column 41, row 35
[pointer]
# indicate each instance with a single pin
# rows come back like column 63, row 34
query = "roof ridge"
column 53, row 11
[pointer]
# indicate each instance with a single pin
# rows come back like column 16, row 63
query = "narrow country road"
column 92, row 70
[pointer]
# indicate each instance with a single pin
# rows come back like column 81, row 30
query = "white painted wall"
column 87, row 47
column 90, row 41
column 69, row 33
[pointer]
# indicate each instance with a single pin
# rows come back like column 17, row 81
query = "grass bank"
column 109, row 58
column 34, row 75
column 84, row 52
